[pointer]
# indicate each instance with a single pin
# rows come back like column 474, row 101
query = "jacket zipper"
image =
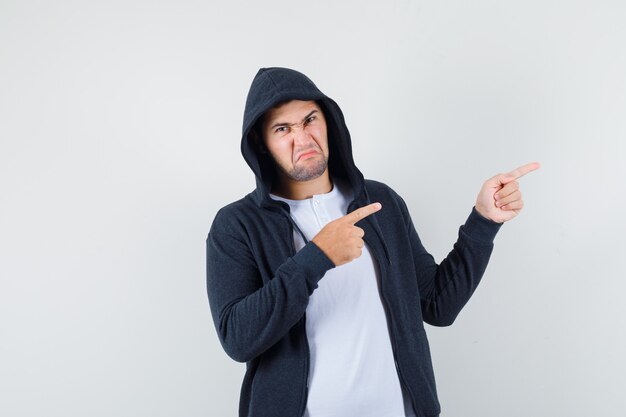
column 307, row 358
column 385, row 303
column 392, row 336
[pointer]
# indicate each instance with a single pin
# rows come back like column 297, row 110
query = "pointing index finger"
column 523, row 170
column 362, row 212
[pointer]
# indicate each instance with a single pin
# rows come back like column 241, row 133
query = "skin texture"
column 500, row 198
column 295, row 135
column 341, row 240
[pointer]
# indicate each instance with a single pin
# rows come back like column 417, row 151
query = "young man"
column 318, row 279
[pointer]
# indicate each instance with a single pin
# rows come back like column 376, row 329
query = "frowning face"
column 295, row 135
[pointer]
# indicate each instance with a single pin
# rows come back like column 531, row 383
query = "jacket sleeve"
column 446, row 287
column 251, row 317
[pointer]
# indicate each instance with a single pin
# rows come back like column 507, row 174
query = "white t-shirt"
column 352, row 370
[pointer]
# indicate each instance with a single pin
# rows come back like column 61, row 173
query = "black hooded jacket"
column 259, row 287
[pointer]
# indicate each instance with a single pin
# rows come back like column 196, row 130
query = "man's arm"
column 446, row 288
column 251, row 317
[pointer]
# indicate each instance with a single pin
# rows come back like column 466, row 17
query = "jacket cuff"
column 313, row 262
column 480, row 228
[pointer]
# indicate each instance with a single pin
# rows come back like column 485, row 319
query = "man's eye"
column 310, row 119
column 280, row 129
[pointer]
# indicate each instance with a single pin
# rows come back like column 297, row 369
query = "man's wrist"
column 479, row 227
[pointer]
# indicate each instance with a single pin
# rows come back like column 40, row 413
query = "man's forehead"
column 292, row 108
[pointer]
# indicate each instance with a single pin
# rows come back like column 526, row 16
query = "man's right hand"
column 340, row 239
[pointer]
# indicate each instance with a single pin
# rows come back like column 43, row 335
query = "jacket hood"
column 272, row 86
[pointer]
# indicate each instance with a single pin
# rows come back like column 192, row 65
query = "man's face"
column 295, row 135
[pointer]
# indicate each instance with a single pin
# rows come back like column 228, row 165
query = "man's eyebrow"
column 289, row 124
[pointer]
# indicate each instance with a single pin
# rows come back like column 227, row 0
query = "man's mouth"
column 307, row 154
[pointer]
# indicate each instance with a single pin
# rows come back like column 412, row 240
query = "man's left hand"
column 500, row 199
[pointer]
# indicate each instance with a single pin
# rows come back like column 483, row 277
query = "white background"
column 120, row 124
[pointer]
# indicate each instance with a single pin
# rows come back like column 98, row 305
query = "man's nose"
column 301, row 136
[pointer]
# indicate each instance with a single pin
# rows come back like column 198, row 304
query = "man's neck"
column 300, row 190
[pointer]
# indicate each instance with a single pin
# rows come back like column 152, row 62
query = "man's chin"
column 308, row 174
